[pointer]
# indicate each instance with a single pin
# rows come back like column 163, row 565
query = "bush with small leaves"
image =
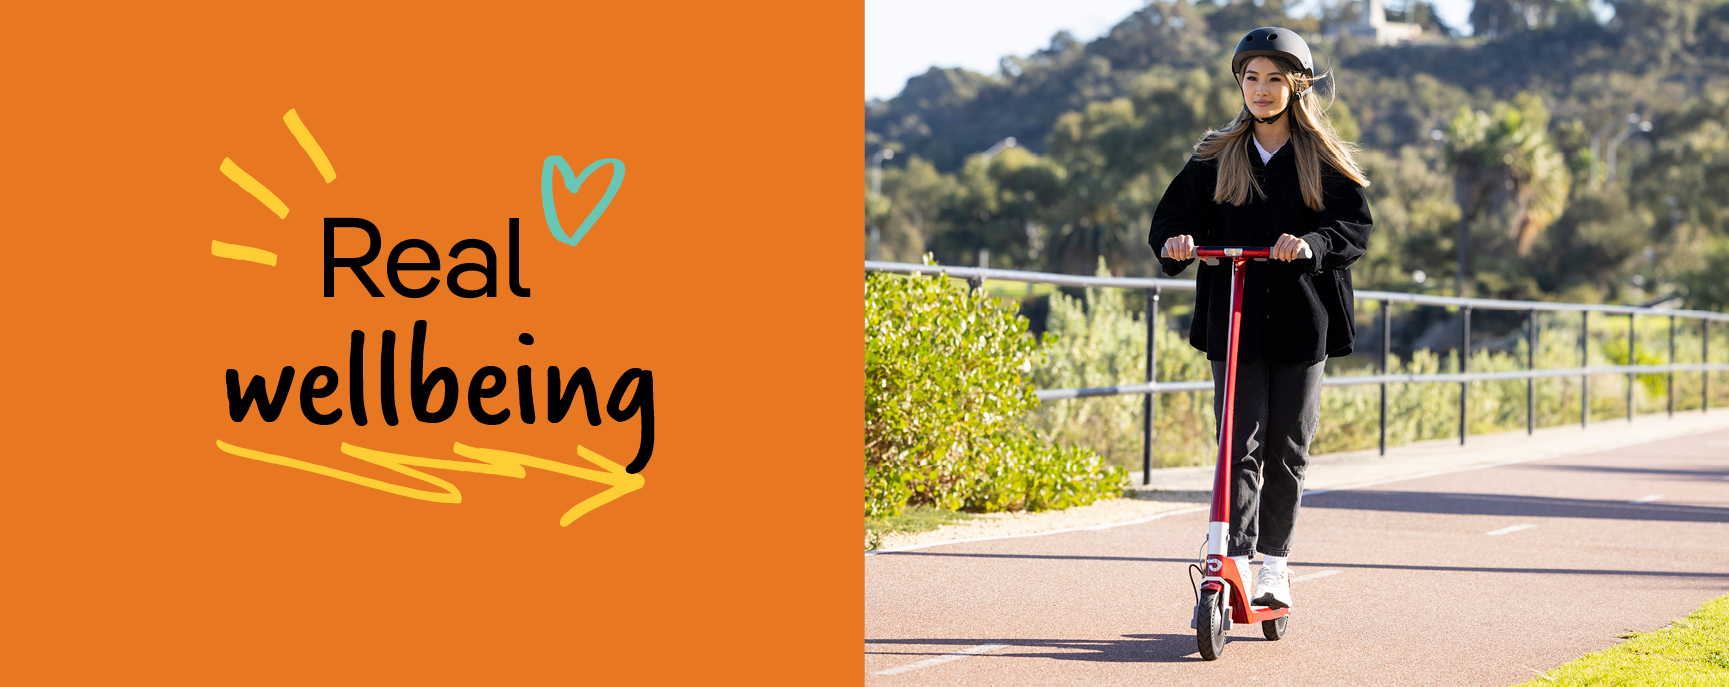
column 947, row 375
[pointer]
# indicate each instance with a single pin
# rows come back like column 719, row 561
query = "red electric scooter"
column 1222, row 599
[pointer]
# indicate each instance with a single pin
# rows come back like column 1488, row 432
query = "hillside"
column 1511, row 130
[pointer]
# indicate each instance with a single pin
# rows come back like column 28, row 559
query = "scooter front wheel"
column 1210, row 625
column 1274, row 629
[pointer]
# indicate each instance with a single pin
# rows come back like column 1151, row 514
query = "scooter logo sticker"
column 1213, row 565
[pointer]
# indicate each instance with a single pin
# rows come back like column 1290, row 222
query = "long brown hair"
column 1312, row 139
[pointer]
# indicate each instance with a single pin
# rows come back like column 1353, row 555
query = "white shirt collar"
column 1265, row 156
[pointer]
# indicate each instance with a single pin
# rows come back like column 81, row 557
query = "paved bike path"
column 1397, row 584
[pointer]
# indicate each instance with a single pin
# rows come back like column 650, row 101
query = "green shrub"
column 1031, row 473
column 946, row 386
column 1096, row 342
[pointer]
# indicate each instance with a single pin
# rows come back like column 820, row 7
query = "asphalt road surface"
column 1479, row 577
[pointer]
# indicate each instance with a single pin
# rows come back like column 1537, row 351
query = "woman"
column 1277, row 176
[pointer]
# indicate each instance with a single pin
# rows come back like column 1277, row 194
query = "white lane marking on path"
column 1509, row 530
column 1646, row 498
column 939, row 660
column 1315, row 575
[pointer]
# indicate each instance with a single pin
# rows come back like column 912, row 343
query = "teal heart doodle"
column 551, row 210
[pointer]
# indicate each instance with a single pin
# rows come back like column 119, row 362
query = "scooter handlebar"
column 1225, row 252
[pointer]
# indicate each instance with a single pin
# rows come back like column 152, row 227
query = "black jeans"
column 1278, row 408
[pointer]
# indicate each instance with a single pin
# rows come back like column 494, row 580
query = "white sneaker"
column 1273, row 587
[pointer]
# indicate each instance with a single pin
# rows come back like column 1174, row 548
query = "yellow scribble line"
column 493, row 462
column 309, row 143
column 239, row 176
column 229, row 250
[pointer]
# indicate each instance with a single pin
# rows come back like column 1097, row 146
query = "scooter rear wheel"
column 1210, row 626
column 1274, row 629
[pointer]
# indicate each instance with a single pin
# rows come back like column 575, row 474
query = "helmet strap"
column 1280, row 113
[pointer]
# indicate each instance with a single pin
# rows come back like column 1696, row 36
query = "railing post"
column 1386, row 352
column 1531, row 365
column 1705, row 357
column 1631, row 358
column 1671, row 366
column 1464, row 366
column 1584, row 361
column 1151, row 401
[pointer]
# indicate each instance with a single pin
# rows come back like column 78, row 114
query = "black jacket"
column 1293, row 312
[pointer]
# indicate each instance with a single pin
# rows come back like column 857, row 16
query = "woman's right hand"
column 1180, row 247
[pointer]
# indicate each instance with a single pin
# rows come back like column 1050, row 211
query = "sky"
column 903, row 38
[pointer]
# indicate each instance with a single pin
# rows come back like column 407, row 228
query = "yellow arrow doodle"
column 493, row 462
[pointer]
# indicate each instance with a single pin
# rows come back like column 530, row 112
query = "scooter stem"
column 1218, row 528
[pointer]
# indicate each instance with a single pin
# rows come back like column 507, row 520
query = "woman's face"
column 1265, row 90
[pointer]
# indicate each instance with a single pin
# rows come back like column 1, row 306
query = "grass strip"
column 1691, row 651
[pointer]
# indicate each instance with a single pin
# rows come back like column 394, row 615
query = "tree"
column 1001, row 204
column 1121, row 155
column 1501, row 17
column 1107, row 192
column 1160, row 33
column 1590, row 250
column 1690, row 161
column 1412, row 202
column 909, row 208
column 1235, row 17
column 1707, row 286
column 1506, row 173
column 1337, row 15
column 1660, row 30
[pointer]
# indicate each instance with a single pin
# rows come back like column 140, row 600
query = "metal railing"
column 977, row 276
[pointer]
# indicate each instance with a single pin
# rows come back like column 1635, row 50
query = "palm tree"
column 1505, row 169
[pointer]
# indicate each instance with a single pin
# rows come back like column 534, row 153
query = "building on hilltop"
column 1372, row 25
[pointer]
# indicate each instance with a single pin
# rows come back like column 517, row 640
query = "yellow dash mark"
column 614, row 475
column 311, row 145
column 493, row 462
column 239, row 176
column 229, row 250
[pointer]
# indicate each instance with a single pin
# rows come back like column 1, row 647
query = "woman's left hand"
column 1291, row 248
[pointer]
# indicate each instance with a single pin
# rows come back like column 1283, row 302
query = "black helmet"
column 1271, row 41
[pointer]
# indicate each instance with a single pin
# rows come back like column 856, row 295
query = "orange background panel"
column 726, row 265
